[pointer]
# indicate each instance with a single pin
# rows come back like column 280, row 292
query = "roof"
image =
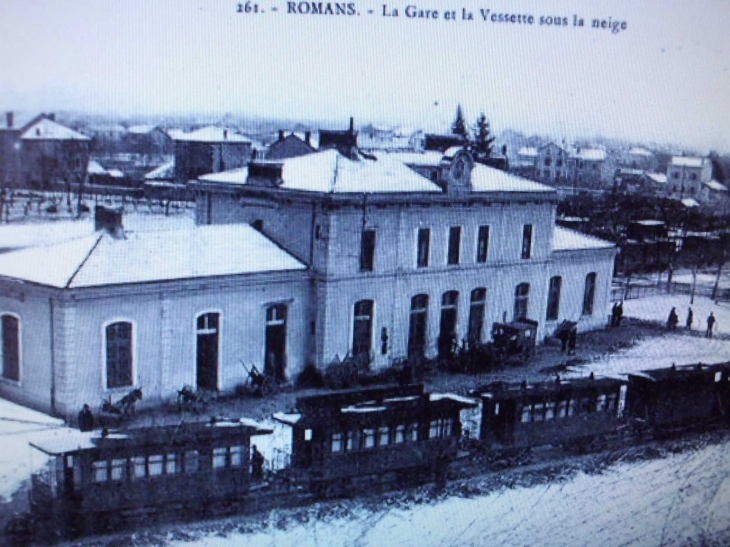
column 687, row 161
column 428, row 158
column 100, row 259
column 95, row 168
column 591, row 154
column 115, row 173
column 331, row 172
column 689, row 202
column 45, row 129
column 166, row 171
column 649, row 222
column 141, row 129
column 658, row 177
column 20, row 120
column 489, row 179
column 17, row 236
column 570, row 240
column 210, row 134
column 714, row 185
column 528, row 151
column 637, row 151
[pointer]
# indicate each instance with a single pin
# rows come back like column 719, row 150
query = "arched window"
column 417, row 325
column 119, row 355
column 522, row 296
column 476, row 315
column 10, row 348
column 589, row 294
column 553, row 305
column 362, row 330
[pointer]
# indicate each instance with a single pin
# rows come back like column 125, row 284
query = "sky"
column 665, row 78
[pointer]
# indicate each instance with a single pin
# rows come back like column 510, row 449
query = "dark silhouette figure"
column 673, row 319
column 257, row 464
column 614, row 314
column 571, row 341
column 690, row 318
column 86, row 419
column 710, row 325
column 619, row 313
column 563, row 337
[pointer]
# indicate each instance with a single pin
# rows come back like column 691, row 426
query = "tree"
column 459, row 125
column 483, row 139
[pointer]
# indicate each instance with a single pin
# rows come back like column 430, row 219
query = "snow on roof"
column 451, row 397
column 689, row 202
column 68, row 440
column 115, row 173
column 687, row 161
column 649, row 222
column 637, row 151
column 489, row 179
column 233, row 176
column 211, row 134
column 569, row 240
column 20, row 119
column 430, row 157
column 18, row 236
column 714, row 185
column 46, row 129
column 529, row 151
column 658, row 177
column 591, row 154
column 95, row 168
column 141, row 257
column 141, row 129
column 362, row 409
column 451, row 152
column 286, row 418
column 165, row 171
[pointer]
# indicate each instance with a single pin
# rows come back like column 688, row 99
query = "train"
column 346, row 443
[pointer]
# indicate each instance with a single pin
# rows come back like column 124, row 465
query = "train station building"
column 294, row 261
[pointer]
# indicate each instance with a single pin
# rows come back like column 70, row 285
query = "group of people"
column 673, row 321
column 568, row 338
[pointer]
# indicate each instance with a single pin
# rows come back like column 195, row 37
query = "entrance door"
column 207, row 350
column 418, row 324
column 275, row 345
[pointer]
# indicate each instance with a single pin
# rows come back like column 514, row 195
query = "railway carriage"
column 353, row 440
column 680, row 396
column 97, row 482
column 549, row 413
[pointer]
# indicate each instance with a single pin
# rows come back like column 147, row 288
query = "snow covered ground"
column 657, row 308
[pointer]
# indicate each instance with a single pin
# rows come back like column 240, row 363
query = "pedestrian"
column 257, row 463
column 710, row 324
column 690, row 318
column 619, row 313
column 614, row 314
column 86, row 419
column 571, row 341
column 673, row 319
column 563, row 337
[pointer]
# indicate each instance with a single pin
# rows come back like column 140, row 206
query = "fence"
column 641, row 290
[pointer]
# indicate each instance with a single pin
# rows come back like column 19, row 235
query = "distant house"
column 715, row 196
column 40, row 153
column 209, row 150
column 551, row 165
column 148, row 139
column 591, row 168
column 686, row 176
column 343, row 141
column 637, row 158
column 290, row 146
column 441, row 143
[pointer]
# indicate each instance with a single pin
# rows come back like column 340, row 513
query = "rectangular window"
column 171, row 466
column 553, row 307
column 367, row 251
column 538, row 413
column 192, row 461
column 550, row 410
column 368, row 438
column 155, row 465
column 435, row 430
column 353, row 440
column 476, row 315
column 10, row 348
column 118, row 469
column 562, row 409
column 139, row 467
column 454, row 245
column 219, row 457
column 589, row 294
column 526, row 241
column 414, row 431
column 101, row 471
column 119, row 355
column 483, row 244
column 601, row 403
column 383, row 436
column 400, row 434
column 448, row 427
column 236, row 456
column 526, row 414
column 424, row 240
column 571, row 407
column 336, row 443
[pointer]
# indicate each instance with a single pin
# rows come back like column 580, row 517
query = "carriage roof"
column 573, row 385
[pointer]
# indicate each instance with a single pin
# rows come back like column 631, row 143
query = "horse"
column 128, row 403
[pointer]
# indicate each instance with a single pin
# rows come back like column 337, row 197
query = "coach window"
column 101, row 470
column 171, row 465
column 155, row 464
column 414, row 431
column 549, row 410
column 119, row 469
column 476, row 315
column 368, row 438
column 336, row 443
column 589, row 295
column 562, row 408
column 236, row 456
column 10, row 347
column 400, row 434
column 435, row 431
column 538, row 413
column 383, row 436
column 139, row 467
column 219, row 457
column 522, row 295
column 553, row 306
column 119, row 355
column 353, row 440
column 526, row 414
column 448, row 427
column 601, row 403
column 192, row 461
column 362, row 331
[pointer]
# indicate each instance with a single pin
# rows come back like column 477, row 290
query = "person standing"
column 614, row 314
column 257, row 464
column 572, row 340
column 619, row 313
column 710, row 324
column 690, row 318
column 86, row 419
column 673, row 319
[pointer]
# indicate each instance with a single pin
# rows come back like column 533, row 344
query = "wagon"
column 514, row 340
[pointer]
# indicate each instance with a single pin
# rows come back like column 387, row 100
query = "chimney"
column 109, row 220
column 225, row 134
column 352, row 125
column 9, row 119
column 281, row 134
column 52, row 116
column 308, row 137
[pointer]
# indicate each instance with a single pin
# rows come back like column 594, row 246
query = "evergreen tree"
column 459, row 125
column 483, row 139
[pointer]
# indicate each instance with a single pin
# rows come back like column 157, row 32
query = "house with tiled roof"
column 40, row 153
